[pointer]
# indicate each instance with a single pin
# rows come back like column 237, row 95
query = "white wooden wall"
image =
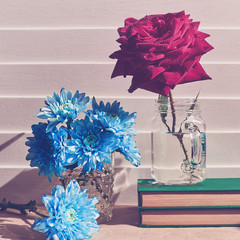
column 49, row 44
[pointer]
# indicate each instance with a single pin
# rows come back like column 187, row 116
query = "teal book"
column 213, row 202
column 211, row 192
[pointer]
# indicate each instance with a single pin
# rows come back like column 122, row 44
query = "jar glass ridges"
column 98, row 184
column 178, row 143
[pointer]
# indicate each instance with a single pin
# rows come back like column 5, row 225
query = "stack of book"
column 213, row 202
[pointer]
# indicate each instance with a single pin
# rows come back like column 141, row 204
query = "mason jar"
column 178, row 142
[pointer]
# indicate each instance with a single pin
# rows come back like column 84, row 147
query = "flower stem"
column 179, row 137
column 30, row 206
column 173, row 111
column 164, row 115
column 41, row 214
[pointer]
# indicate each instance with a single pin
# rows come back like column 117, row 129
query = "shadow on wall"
column 10, row 141
column 125, row 183
column 21, row 186
column 26, row 186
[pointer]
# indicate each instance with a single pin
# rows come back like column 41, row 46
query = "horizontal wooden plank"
column 78, row 13
column 222, row 150
column 92, row 45
column 25, row 184
column 94, row 79
column 56, row 45
column 219, row 114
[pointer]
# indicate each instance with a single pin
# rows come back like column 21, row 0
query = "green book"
column 213, row 202
column 210, row 184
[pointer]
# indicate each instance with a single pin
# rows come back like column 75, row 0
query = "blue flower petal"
column 58, row 191
column 48, row 151
column 41, row 115
column 51, row 125
column 111, row 117
column 63, row 95
column 92, row 145
column 56, row 97
column 76, row 97
column 72, row 215
column 69, row 95
column 72, row 189
column 48, row 202
column 127, row 146
column 63, row 108
column 40, row 225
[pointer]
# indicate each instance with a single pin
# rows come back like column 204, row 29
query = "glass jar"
column 98, row 184
column 178, row 142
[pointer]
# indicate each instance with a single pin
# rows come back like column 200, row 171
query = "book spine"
column 187, row 226
column 209, row 184
column 140, row 208
column 139, row 197
column 156, row 217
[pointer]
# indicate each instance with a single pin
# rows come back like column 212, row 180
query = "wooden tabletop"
column 124, row 225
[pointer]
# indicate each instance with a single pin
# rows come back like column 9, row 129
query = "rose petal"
column 171, row 79
column 141, row 81
column 196, row 74
column 121, row 68
column 153, row 56
column 160, row 51
column 155, row 71
column 130, row 21
column 157, row 87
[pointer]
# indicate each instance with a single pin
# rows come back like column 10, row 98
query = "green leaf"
column 163, row 106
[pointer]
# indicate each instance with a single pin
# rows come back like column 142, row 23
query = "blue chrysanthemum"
column 71, row 214
column 91, row 145
column 112, row 118
column 47, row 150
column 63, row 108
column 127, row 146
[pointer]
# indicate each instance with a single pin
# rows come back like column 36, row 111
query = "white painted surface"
column 13, row 150
column 92, row 45
column 46, row 45
column 108, row 13
column 220, row 114
column 30, row 80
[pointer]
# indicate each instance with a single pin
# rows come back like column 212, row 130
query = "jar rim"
column 180, row 100
column 180, row 104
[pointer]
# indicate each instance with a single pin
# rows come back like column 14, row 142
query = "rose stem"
column 173, row 126
column 182, row 145
column 164, row 118
column 31, row 206
column 173, row 111
column 165, row 122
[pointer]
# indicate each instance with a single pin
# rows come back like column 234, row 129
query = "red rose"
column 161, row 51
